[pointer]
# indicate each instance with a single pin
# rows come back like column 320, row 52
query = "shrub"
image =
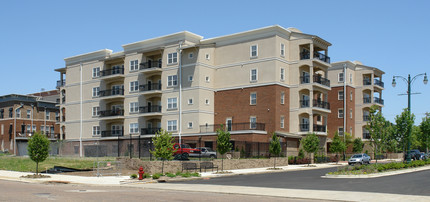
column 170, row 175
column 178, row 173
column 146, row 175
column 156, row 176
column 187, row 174
column 301, row 154
column 195, row 174
column 133, row 176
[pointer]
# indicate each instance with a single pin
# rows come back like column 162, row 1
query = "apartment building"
column 21, row 115
column 355, row 88
column 254, row 83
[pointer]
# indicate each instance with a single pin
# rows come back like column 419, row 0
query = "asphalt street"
column 416, row 183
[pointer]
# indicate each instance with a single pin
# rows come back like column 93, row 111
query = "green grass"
column 376, row 168
column 25, row 164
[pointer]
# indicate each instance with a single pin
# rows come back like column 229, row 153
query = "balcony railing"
column 304, row 127
column 116, row 112
column 29, row 134
column 113, row 71
column 61, row 83
column 111, row 92
column 150, row 64
column 321, row 104
column 366, row 118
column 151, row 109
column 378, row 100
column 112, row 133
column 319, row 128
column 378, row 82
column 146, row 87
column 305, row 79
column 233, row 127
column 304, row 103
column 367, row 100
column 366, row 135
column 305, row 54
column 367, row 82
column 322, row 57
column 321, row 80
column 146, row 131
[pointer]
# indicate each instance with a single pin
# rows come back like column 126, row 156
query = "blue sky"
column 35, row 36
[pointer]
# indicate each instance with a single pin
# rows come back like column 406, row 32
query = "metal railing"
column 305, row 79
column 116, row 112
column 61, row 83
column 367, row 100
column 378, row 82
column 29, row 134
column 321, row 104
column 112, row 133
column 150, row 109
column 304, row 127
column 111, row 92
column 147, row 131
column 150, row 64
column 233, row 127
column 305, row 54
column 304, row 103
column 378, row 100
column 319, row 128
column 322, row 57
column 153, row 86
column 366, row 82
column 321, row 80
column 113, row 71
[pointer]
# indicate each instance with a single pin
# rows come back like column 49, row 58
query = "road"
column 19, row 191
column 416, row 183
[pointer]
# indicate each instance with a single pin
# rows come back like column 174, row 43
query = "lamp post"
column 409, row 81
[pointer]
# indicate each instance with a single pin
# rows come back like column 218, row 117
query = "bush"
column 146, row 175
column 187, row 174
column 301, row 154
column 156, row 176
column 170, row 175
column 133, row 176
column 178, row 173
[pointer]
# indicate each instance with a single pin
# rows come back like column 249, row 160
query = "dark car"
column 415, row 154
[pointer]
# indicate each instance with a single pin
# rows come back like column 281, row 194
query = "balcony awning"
column 290, row 135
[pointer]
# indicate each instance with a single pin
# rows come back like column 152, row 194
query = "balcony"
column 151, row 87
column 323, row 81
column 304, row 127
column 378, row 83
column 25, row 135
column 150, row 64
column 108, row 113
column 367, row 100
column 366, row 118
column 305, row 54
column 233, row 127
column 149, row 131
column 322, row 57
column 366, row 135
column 378, row 100
column 319, row 128
column 113, row 71
column 112, row 133
column 367, row 82
column 321, row 104
column 304, row 103
column 150, row 109
column 111, row 92
column 61, row 83
column 305, row 79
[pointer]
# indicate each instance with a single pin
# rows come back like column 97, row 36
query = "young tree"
column 348, row 140
column 38, row 149
column 163, row 146
column 337, row 145
column 223, row 143
column 310, row 144
column 377, row 129
column 275, row 148
column 425, row 132
column 357, row 145
column 404, row 123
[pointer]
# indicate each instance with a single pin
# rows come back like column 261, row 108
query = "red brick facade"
column 334, row 122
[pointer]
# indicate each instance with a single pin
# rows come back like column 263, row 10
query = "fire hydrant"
column 141, row 172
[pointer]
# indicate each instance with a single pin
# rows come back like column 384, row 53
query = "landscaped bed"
column 377, row 168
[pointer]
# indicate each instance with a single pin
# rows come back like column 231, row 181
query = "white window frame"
column 96, row 130
column 96, row 111
column 282, row 48
column 190, row 77
column 253, row 98
column 253, row 120
column 282, row 124
column 134, row 128
column 207, row 56
column 253, row 53
column 350, row 95
column 339, row 131
column 350, row 78
column 207, row 101
column 251, row 75
column 18, row 113
column 207, row 79
column 172, row 103
column 134, row 107
column 190, row 125
column 134, row 65
column 48, row 115
column 96, row 72
column 134, row 86
column 190, row 101
column 339, row 114
column 350, row 113
column 282, row 74
column 340, row 95
column 340, row 77
column 172, row 80
column 172, row 125
column 28, row 113
column 282, row 97
column 96, row 91
column 172, row 58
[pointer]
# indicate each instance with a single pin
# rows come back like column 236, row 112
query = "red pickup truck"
column 185, row 149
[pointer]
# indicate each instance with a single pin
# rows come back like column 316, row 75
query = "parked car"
column 185, row 150
column 415, row 154
column 359, row 158
column 206, row 152
column 424, row 156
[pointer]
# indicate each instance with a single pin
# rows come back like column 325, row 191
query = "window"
column 96, row 91
column 134, row 65
column 282, row 49
column 350, row 78
column 172, row 103
column 28, row 129
column 10, row 112
column 172, row 125
column 96, row 130
column 282, row 121
column 57, row 116
column 350, row 96
column 253, row 122
column 96, row 72
column 208, row 56
column 34, row 127
column 350, row 113
column 134, row 127
column 134, row 86
column 340, row 131
column 1, row 113
column 134, row 107
column 190, row 77
column 207, row 79
column 172, row 80
column 340, row 95
column 253, row 99
column 318, row 118
column 253, row 75
column 172, row 58
column 28, row 113
column 18, row 113
column 48, row 115
column 190, row 55
column 96, row 111
column 340, row 77
column 254, row 51
column 282, row 97
column 206, row 101
column 190, row 101
column 190, row 124
column 340, row 113
column 282, row 74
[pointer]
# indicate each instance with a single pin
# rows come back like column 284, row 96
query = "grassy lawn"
column 25, row 164
column 377, row 168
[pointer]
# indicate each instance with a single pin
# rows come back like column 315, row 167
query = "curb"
column 383, row 174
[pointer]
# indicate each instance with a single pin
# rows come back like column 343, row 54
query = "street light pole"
column 409, row 81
